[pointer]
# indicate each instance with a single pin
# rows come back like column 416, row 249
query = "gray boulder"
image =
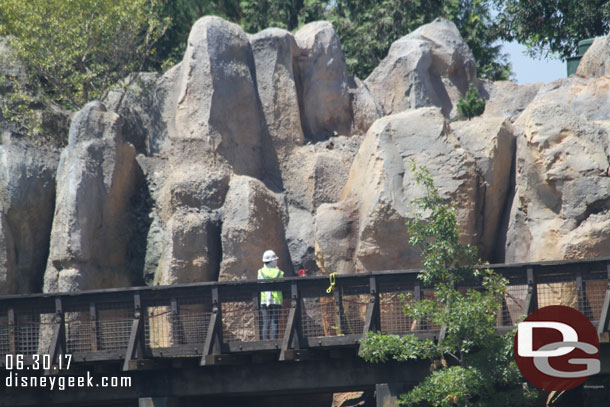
column 562, row 189
column 596, row 61
column 490, row 141
column 275, row 51
column 432, row 66
column 217, row 106
column 377, row 198
column 27, row 199
column 365, row 108
column 96, row 179
column 253, row 222
column 325, row 99
column 507, row 99
column 299, row 237
column 192, row 249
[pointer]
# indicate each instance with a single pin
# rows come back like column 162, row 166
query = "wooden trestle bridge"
column 203, row 339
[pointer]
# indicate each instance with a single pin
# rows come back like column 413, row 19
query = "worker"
column 271, row 301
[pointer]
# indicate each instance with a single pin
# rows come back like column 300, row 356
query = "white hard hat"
column 269, row 255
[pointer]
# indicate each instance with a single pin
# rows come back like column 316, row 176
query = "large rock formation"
column 507, row 99
column 258, row 141
column 27, row 200
column 492, row 145
column 275, row 52
column 432, row 66
column 252, row 224
column 381, row 188
column 96, row 179
column 562, row 188
column 323, row 78
column 218, row 108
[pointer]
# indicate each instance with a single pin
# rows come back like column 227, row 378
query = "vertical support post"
column 531, row 299
column 339, row 312
column 293, row 334
column 373, row 317
column 604, row 318
column 93, row 326
column 175, row 337
column 417, row 296
column 12, row 337
column 135, row 347
column 257, row 315
column 213, row 340
column 58, row 340
column 580, row 290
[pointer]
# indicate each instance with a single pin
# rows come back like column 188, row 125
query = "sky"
column 527, row 69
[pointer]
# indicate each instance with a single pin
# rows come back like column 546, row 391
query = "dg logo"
column 556, row 348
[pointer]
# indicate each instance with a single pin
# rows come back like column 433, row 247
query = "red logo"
column 556, row 348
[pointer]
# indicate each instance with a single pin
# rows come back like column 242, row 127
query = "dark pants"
column 271, row 316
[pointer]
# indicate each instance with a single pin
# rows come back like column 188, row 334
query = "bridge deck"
column 208, row 320
column 162, row 336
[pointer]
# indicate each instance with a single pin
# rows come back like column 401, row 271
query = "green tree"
column 549, row 27
column 473, row 365
column 252, row 15
column 472, row 105
column 181, row 15
column 368, row 28
column 75, row 50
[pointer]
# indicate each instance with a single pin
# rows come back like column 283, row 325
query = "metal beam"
column 135, row 346
column 604, row 318
column 531, row 299
column 58, row 339
column 93, row 326
column 373, row 320
column 213, row 340
column 292, row 334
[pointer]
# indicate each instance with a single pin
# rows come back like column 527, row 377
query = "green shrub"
column 472, row 105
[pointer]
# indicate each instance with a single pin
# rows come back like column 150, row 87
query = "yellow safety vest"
column 271, row 297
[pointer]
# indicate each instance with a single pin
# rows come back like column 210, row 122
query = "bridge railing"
column 209, row 320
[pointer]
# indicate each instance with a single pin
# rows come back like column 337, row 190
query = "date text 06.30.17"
column 36, row 362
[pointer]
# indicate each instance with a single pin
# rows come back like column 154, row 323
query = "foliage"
column 368, row 28
column 552, row 26
column 252, row 15
column 16, row 106
column 473, row 105
column 181, row 14
column 365, row 28
column 75, row 50
column 474, row 366
column 288, row 14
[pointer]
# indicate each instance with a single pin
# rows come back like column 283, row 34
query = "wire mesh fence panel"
column 114, row 325
column 4, row 334
column 592, row 298
column 191, row 323
column 79, row 330
column 393, row 318
column 238, row 321
column 557, row 290
column 513, row 304
column 271, row 322
column 327, row 322
column 33, row 331
column 312, row 316
column 351, row 313
column 158, row 332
